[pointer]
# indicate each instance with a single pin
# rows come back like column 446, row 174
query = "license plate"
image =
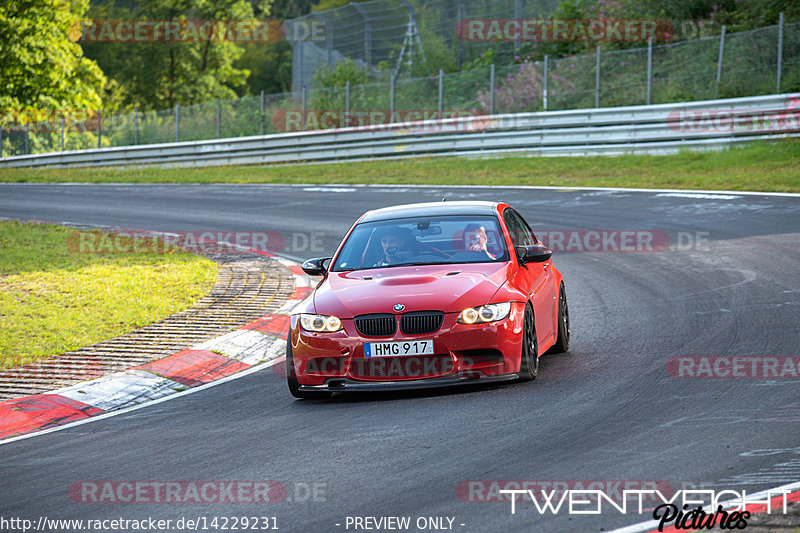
column 398, row 349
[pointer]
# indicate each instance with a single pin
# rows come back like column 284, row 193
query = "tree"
column 324, row 5
column 41, row 67
column 270, row 64
column 158, row 75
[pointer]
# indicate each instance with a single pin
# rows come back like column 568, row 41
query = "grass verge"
column 762, row 166
column 54, row 299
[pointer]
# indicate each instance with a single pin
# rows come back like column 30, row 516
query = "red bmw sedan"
column 428, row 295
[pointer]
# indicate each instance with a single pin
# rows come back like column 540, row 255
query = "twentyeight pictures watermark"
column 681, row 509
column 692, row 507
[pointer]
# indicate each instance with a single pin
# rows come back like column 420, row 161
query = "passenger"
column 475, row 239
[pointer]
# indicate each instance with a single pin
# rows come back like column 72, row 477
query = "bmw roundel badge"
column 399, row 307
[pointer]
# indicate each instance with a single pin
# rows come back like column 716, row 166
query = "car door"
column 535, row 279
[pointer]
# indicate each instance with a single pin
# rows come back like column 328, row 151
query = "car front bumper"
column 463, row 353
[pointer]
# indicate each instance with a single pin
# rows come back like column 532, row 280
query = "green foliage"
column 41, row 67
column 157, row 75
column 270, row 64
column 751, row 14
column 332, row 4
column 270, row 67
column 53, row 298
column 339, row 75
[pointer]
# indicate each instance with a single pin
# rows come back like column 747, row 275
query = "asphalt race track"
column 606, row 411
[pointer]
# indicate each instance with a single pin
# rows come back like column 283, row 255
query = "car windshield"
column 423, row 241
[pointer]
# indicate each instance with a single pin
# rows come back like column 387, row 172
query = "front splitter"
column 349, row 385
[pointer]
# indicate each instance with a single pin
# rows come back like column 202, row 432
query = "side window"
column 527, row 229
column 521, row 233
column 513, row 227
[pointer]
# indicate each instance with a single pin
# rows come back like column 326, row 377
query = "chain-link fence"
column 737, row 64
column 376, row 32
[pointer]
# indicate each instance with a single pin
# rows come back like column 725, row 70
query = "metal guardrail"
column 656, row 129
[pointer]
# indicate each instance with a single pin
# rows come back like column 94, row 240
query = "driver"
column 394, row 246
column 475, row 239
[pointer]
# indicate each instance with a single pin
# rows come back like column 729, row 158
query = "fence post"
column 518, row 16
column 329, row 44
column 649, row 67
column 219, row 118
column 177, row 122
column 719, row 61
column 99, row 128
column 391, row 99
column 1, row 140
column 544, row 93
column 491, row 90
column 597, row 79
column 303, row 106
column 347, row 99
column 27, row 134
column 262, row 111
column 459, row 25
column 367, row 32
column 62, row 134
column 136, row 125
column 441, row 91
column 780, row 52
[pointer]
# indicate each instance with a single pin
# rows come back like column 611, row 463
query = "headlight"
column 486, row 313
column 320, row 323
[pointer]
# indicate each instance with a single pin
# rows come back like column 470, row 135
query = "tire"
column 291, row 378
column 562, row 341
column 529, row 364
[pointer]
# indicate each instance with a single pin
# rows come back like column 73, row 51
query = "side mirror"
column 316, row 266
column 533, row 253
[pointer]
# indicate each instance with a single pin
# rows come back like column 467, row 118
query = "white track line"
column 420, row 186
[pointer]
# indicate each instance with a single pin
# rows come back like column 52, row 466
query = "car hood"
column 448, row 288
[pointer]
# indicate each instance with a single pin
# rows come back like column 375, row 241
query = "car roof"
column 431, row 209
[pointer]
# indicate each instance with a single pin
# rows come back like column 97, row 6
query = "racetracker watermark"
column 565, row 30
column 201, row 492
column 611, row 241
column 785, row 120
column 50, row 120
column 160, row 31
column 734, row 367
column 604, row 240
column 177, row 492
column 212, row 242
column 73, row 369
column 408, row 366
column 422, row 120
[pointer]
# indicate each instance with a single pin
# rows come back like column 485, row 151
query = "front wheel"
column 529, row 366
column 291, row 378
column 562, row 341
